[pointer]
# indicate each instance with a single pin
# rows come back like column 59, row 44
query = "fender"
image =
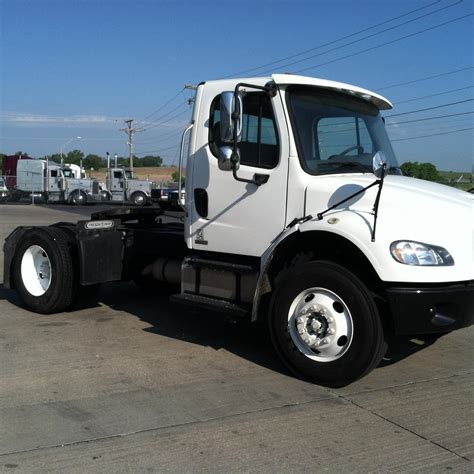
column 265, row 263
column 308, row 226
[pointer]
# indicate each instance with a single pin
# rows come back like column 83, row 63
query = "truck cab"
column 123, row 186
column 297, row 216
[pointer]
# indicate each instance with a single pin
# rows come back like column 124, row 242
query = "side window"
column 339, row 136
column 259, row 146
column 117, row 174
column 54, row 173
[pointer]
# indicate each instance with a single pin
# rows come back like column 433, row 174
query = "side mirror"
column 230, row 116
column 379, row 164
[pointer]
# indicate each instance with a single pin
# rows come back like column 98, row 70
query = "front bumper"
column 429, row 310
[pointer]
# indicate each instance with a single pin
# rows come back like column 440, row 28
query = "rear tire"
column 43, row 271
column 325, row 325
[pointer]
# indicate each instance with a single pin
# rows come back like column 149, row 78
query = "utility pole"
column 130, row 131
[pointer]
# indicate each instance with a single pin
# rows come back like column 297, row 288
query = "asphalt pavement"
column 138, row 384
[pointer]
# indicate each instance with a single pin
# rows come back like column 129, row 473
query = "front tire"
column 43, row 271
column 325, row 325
column 78, row 198
column 139, row 199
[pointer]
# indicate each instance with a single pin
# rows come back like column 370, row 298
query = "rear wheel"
column 325, row 325
column 43, row 271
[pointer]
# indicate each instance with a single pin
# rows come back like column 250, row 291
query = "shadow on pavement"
column 205, row 328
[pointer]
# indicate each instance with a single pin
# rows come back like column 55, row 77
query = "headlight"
column 416, row 253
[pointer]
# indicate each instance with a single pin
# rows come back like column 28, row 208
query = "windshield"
column 128, row 174
column 336, row 133
column 67, row 173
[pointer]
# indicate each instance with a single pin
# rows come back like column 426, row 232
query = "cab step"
column 212, row 304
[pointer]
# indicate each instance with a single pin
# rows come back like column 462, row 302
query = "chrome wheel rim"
column 36, row 270
column 139, row 200
column 78, row 199
column 320, row 324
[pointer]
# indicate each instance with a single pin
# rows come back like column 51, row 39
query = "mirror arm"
column 321, row 214
column 377, row 199
column 258, row 179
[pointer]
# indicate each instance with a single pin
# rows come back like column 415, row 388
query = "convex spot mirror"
column 379, row 164
column 225, row 158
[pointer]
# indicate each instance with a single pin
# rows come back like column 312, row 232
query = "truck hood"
column 410, row 209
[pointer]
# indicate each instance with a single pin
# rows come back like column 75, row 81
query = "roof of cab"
column 286, row 79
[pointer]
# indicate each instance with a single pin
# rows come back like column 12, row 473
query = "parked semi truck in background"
column 122, row 186
column 54, row 183
column 296, row 215
column 4, row 192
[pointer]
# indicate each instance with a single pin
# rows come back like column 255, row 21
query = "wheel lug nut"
column 325, row 340
column 300, row 331
column 331, row 331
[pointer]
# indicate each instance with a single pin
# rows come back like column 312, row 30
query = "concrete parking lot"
column 139, row 384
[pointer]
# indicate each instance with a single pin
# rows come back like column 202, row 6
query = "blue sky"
column 79, row 68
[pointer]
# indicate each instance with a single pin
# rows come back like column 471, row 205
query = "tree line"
column 95, row 162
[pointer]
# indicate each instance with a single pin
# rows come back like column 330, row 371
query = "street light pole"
column 63, row 146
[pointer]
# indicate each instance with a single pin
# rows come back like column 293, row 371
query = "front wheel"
column 139, row 199
column 325, row 325
column 78, row 198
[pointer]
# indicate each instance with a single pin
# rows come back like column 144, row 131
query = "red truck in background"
column 9, row 169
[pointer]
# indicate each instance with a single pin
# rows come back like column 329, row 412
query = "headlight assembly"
column 416, row 253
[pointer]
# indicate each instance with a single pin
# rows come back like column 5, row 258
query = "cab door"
column 226, row 215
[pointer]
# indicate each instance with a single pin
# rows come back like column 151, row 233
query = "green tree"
column 93, row 161
column 74, row 157
column 150, row 160
column 2, row 155
column 426, row 171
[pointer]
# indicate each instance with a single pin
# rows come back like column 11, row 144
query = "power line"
column 155, row 151
column 330, row 42
column 167, row 121
column 419, row 32
column 163, row 138
column 428, row 118
column 433, row 95
column 166, row 115
column 430, row 108
column 163, row 106
column 432, row 135
column 368, row 36
column 421, row 79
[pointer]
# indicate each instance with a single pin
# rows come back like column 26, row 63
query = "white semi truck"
column 54, row 183
column 122, row 186
column 296, row 215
